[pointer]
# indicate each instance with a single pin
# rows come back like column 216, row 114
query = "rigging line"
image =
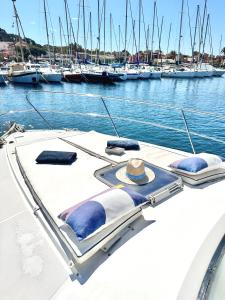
column 11, row 112
column 129, row 40
column 43, row 118
column 133, row 27
column 188, row 131
column 149, row 103
column 115, row 35
column 154, row 124
column 50, row 19
column 78, row 22
column 114, row 125
column 143, row 17
column 189, row 21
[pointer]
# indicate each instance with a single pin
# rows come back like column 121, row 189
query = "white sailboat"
column 48, row 74
column 18, row 72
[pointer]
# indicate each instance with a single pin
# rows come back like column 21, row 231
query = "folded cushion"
column 197, row 164
column 126, row 144
column 101, row 210
column 56, row 157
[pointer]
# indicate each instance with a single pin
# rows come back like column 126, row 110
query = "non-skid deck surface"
column 60, row 186
column 97, row 142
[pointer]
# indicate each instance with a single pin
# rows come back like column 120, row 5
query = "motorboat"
column 19, row 73
column 168, row 246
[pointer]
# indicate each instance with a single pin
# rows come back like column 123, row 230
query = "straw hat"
column 135, row 173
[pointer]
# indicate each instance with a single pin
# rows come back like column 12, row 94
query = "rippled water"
column 161, row 103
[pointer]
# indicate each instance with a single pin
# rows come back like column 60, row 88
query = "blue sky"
column 32, row 17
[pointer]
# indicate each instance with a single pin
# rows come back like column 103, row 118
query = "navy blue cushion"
column 90, row 215
column 198, row 164
column 126, row 144
column 192, row 164
column 56, row 157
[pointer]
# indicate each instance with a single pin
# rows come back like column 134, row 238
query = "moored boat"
column 50, row 75
column 218, row 72
column 72, row 76
column 18, row 73
column 98, row 77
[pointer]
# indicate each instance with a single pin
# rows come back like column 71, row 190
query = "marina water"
column 143, row 110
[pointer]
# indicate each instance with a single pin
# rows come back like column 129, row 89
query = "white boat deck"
column 164, row 256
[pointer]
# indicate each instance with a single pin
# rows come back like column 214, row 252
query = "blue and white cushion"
column 198, row 164
column 88, row 216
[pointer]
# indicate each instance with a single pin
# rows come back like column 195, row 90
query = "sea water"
column 147, row 110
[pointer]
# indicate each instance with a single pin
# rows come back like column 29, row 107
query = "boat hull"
column 155, row 75
column 97, row 78
column 132, row 76
column 25, row 77
column 72, row 77
column 178, row 74
column 218, row 73
column 51, row 77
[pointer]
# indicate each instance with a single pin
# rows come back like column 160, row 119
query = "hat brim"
column 121, row 174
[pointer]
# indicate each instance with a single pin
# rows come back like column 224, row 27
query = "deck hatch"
column 164, row 185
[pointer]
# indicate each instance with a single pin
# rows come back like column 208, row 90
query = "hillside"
column 35, row 49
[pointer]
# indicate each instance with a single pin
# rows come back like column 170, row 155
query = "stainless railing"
column 105, row 100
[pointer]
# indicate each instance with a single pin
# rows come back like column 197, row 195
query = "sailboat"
column 48, row 74
column 179, row 71
column 18, row 72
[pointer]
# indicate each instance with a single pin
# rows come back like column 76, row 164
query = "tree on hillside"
column 223, row 51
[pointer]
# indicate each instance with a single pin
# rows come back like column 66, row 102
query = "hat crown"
column 135, row 167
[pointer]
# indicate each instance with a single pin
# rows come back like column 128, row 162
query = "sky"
column 32, row 17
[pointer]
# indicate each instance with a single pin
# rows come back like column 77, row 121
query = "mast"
column 125, row 42
column 168, row 42
column 160, row 38
column 18, row 29
column 180, row 34
column 111, row 33
column 104, row 9
column 84, row 28
column 47, row 33
column 91, row 33
column 195, row 33
column 119, row 41
column 153, row 30
column 204, row 41
column 189, row 23
column 139, row 31
column 67, row 26
column 202, row 30
column 60, row 35
column 99, row 33
column 78, row 23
